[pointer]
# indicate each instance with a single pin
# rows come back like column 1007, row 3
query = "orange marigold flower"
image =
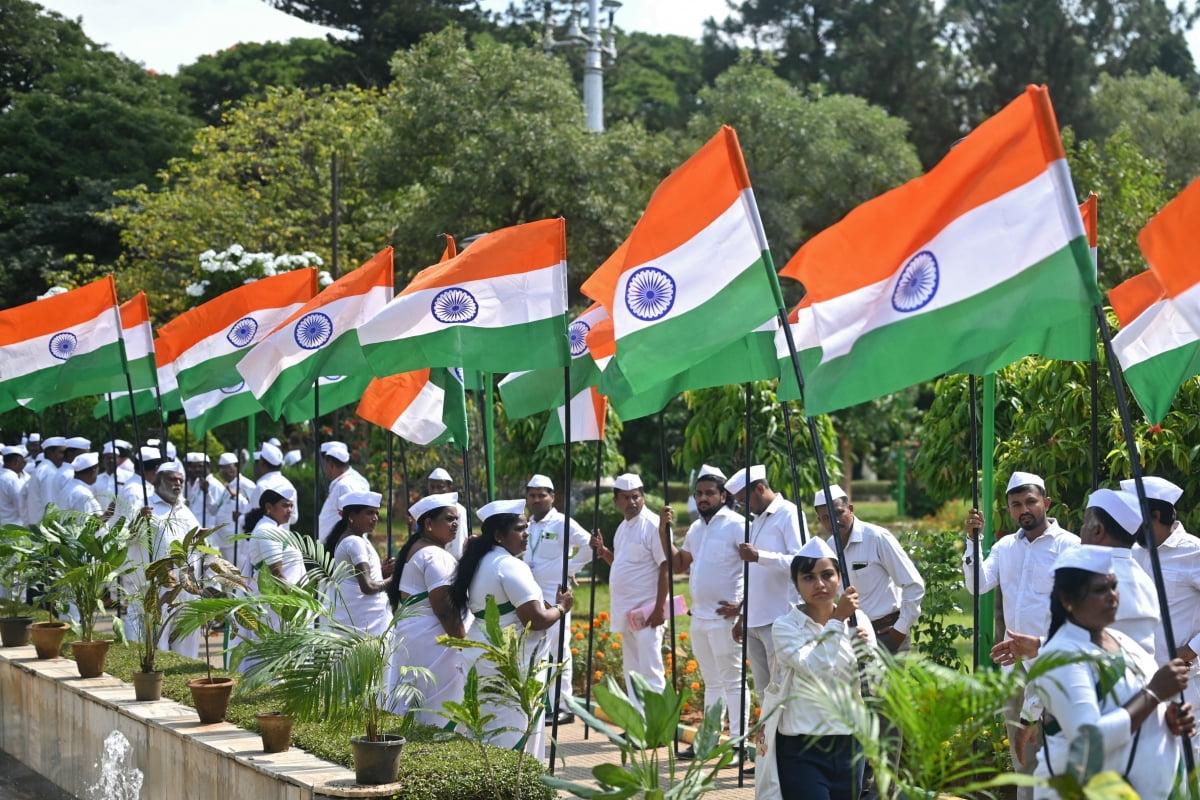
column 579, row 637
column 617, row 636
column 690, row 668
column 598, row 676
column 616, row 645
column 692, row 663
column 604, row 616
column 695, row 687
column 599, row 654
column 604, row 636
column 683, row 637
column 574, row 651
column 595, row 623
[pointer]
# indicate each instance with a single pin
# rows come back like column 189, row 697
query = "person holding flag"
column 440, row 481
column 360, row 601
column 78, row 495
column 267, row 461
column 343, row 480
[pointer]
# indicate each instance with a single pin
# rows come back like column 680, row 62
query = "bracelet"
column 1157, row 700
column 562, row 612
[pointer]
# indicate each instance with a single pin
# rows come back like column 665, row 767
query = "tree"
column 811, row 159
column 213, row 83
column 263, row 181
column 655, row 80
column 76, row 122
column 1160, row 114
column 478, row 138
column 381, row 27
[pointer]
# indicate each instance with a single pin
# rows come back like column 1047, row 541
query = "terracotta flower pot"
column 47, row 638
column 276, row 731
column 14, row 631
column 147, row 686
column 211, row 698
column 90, row 657
column 376, row 762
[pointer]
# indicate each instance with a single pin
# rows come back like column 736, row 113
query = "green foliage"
column 937, row 555
column 716, row 434
column 519, row 457
column 17, row 569
column 1161, row 116
column 655, row 81
column 261, row 180
column 210, row 444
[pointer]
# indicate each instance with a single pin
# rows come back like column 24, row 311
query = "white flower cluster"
column 253, row 266
column 53, row 290
column 324, row 278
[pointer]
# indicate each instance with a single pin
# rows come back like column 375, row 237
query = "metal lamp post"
column 598, row 43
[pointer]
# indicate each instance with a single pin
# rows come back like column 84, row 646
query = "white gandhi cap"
column 1020, row 479
column 835, row 492
column 627, row 482
column 501, row 507
column 1121, row 506
column 1156, row 489
column 1090, row 557
column 540, row 482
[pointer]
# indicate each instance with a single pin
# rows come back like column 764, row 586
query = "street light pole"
column 598, row 44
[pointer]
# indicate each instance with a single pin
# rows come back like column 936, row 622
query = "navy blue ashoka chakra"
column 62, row 345
column 237, row 387
column 241, row 333
column 917, row 284
column 649, row 294
column 577, row 333
column 313, row 330
column 454, row 305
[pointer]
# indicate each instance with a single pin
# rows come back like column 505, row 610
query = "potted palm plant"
column 85, row 558
column 190, row 568
column 328, row 673
column 16, row 572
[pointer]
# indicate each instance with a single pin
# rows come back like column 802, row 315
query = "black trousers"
column 818, row 767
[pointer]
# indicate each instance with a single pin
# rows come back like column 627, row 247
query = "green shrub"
column 434, row 763
column 872, row 490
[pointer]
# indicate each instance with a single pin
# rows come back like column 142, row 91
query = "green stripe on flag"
column 532, row 345
column 1155, row 381
column 68, row 380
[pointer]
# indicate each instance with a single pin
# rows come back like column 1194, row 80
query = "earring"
column 1070, row 609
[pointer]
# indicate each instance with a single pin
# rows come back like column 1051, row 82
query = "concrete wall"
column 56, row 723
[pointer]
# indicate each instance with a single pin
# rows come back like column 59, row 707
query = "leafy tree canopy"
column 1161, row 115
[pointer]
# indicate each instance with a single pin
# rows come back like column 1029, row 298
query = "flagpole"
column 390, row 501
column 204, row 484
column 587, row 696
column 1093, row 369
column 489, row 446
column 407, row 490
column 316, row 434
column 129, row 388
column 987, row 605
column 1135, row 468
column 466, row 462
column 565, row 538
column 974, row 416
column 662, row 447
column 787, row 427
column 742, row 710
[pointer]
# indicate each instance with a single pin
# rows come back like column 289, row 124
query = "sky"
column 166, row 34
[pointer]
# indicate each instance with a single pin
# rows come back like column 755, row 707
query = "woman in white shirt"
column 268, row 549
column 491, row 567
column 808, row 755
column 359, row 601
column 1139, row 731
column 420, row 587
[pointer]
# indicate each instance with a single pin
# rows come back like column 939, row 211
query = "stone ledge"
column 56, row 723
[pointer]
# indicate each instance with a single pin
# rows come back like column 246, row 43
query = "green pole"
column 253, row 443
column 901, row 478
column 987, row 603
column 489, row 444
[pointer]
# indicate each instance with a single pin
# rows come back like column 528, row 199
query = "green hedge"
column 433, row 764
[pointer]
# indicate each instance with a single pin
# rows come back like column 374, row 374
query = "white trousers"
column 760, row 647
column 564, row 678
column 643, row 655
column 719, row 658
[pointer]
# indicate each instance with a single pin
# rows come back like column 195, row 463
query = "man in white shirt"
column 267, row 461
column 135, row 494
column 1022, row 565
column 13, row 480
column 1179, row 557
column 639, row 578
column 710, row 555
column 777, row 533
column 33, row 452
column 233, row 503
column 441, row 482
column 201, row 489
column 74, row 446
column 113, row 473
column 78, row 495
column 343, row 479
column 544, row 555
column 41, row 488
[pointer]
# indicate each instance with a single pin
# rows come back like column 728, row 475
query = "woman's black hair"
column 473, row 554
column 802, row 565
column 341, row 526
column 1071, row 583
column 1114, row 531
column 269, row 496
column 393, row 585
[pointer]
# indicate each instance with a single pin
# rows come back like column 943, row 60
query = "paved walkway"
column 581, row 755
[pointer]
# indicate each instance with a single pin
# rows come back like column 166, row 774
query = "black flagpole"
column 587, row 692
column 742, row 711
column 391, row 504
column 787, row 427
column 1135, row 468
column 974, row 504
column 662, row 446
column 407, row 490
column 565, row 538
column 316, row 426
column 466, row 462
column 1093, row 368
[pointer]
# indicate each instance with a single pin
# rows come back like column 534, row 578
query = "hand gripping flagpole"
column 743, row 712
column 587, row 682
column 1135, row 469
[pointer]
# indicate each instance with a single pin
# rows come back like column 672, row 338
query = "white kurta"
column 775, row 533
column 1137, row 614
column 637, row 556
column 12, row 497
column 1069, row 695
column 275, row 481
column 352, row 608
column 509, row 580
column 414, row 638
column 235, row 498
column 348, row 481
column 169, row 523
column 78, row 496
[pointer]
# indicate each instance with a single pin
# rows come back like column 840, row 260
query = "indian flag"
column 334, row 392
column 532, row 391
column 1089, row 210
column 803, row 323
column 499, row 306
column 146, row 401
column 1156, row 346
column 285, row 364
column 426, row 406
column 981, row 261
column 139, row 353
column 694, row 276
column 1170, row 241
column 588, row 411
column 50, row 347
